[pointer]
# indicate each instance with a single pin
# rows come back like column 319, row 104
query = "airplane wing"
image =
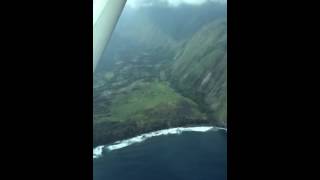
column 105, row 17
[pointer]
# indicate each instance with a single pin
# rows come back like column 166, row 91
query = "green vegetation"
column 200, row 70
column 166, row 71
column 146, row 97
column 149, row 106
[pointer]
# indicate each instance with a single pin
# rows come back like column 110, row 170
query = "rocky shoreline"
column 98, row 150
column 132, row 131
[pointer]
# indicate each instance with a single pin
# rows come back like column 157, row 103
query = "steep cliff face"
column 199, row 69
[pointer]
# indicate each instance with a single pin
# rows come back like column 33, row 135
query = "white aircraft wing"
column 105, row 17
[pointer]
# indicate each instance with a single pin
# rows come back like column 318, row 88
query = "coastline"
column 98, row 151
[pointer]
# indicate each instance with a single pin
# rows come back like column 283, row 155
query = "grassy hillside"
column 146, row 107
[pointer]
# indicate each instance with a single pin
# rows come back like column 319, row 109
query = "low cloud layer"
column 173, row 3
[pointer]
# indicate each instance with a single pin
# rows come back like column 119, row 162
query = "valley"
column 154, row 77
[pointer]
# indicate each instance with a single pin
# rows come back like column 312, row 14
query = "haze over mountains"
column 165, row 66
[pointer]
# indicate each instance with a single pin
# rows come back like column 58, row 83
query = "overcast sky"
column 174, row 3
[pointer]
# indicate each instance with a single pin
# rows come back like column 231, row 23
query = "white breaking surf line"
column 97, row 151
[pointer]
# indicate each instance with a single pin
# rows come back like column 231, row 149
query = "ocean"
column 175, row 154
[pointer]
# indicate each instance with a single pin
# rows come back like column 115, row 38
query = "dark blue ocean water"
column 187, row 156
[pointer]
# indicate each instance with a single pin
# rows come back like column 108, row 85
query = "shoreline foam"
column 97, row 151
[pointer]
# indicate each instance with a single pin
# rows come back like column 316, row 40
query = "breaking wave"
column 97, row 151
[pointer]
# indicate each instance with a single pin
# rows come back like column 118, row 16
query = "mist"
column 170, row 3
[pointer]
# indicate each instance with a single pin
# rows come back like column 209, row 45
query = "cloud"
column 173, row 3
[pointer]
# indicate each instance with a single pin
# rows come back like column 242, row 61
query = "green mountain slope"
column 200, row 69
